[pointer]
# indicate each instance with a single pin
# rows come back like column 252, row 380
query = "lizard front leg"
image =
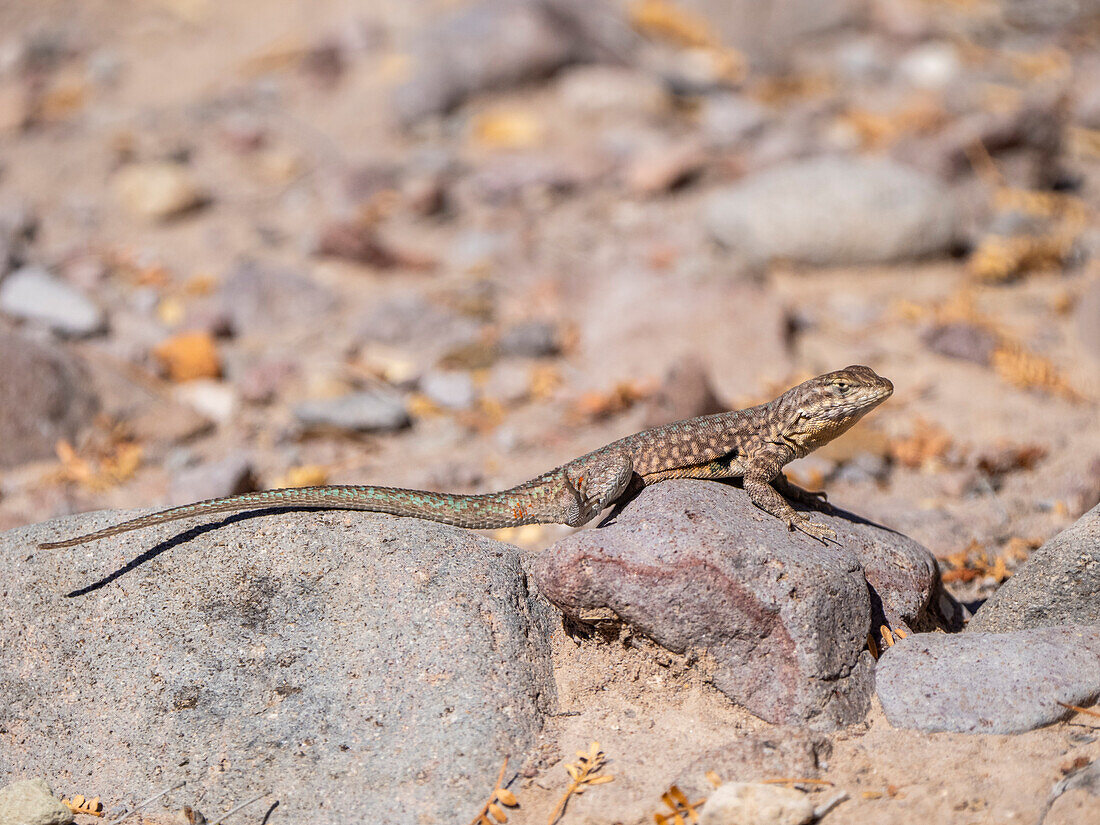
column 792, row 492
column 760, row 476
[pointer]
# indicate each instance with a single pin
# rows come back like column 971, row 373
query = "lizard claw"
column 814, row 529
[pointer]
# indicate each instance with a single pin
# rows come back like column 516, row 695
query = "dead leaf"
column 189, row 356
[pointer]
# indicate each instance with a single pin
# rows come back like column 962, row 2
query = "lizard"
column 753, row 444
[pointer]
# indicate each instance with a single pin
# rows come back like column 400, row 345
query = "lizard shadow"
column 183, row 538
column 635, row 490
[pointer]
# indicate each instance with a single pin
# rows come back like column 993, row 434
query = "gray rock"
column 531, row 339
column 752, row 803
column 685, row 392
column 261, row 298
column 1058, row 585
column 834, row 211
column 411, row 318
column 612, row 92
column 775, row 620
column 230, row 475
column 32, row 802
column 1087, row 320
column 727, row 120
column 360, row 664
column 449, row 388
column 376, row 409
column 769, row 32
column 989, row 682
column 962, row 340
column 18, row 226
column 1034, row 130
column 493, row 44
column 45, row 395
column 508, row 382
column 33, row 294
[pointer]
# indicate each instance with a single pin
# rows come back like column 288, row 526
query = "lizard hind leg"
column 596, row 485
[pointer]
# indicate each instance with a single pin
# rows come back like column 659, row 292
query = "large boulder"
column 1058, row 585
column 834, row 211
column 989, row 682
column 358, row 664
column 777, row 621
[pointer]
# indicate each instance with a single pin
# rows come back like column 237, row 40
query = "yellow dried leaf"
column 506, row 797
column 713, row 778
column 189, row 356
column 600, row 780
column 508, row 129
column 308, row 475
column 498, row 812
column 573, row 771
column 420, row 406
column 664, row 20
column 1030, row 371
column 543, row 380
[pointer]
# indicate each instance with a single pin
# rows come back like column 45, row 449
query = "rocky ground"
column 450, row 245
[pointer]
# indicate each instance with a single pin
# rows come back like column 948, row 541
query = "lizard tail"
column 484, row 511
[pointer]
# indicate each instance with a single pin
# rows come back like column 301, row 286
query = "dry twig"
column 79, row 805
column 584, row 775
column 677, row 800
column 499, row 796
column 1079, row 709
column 148, row 801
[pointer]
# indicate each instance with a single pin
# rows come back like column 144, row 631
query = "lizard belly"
column 728, row 466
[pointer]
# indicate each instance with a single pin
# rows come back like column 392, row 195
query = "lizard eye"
column 842, row 386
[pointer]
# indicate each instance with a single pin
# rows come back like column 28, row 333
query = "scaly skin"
column 753, row 444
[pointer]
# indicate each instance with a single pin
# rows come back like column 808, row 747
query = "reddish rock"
column 777, row 621
column 361, row 244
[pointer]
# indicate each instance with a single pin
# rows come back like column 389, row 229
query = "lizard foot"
column 818, row 499
column 814, row 529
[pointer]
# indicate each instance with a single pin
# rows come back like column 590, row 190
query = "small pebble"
column 157, row 191
column 753, row 803
column 228, row 476
column 33, row 294
column 451, row 389
column 214, row 399
column 32, row 802
column 366, row 411
column 533, row 339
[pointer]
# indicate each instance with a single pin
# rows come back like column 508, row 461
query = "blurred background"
column 454, row 244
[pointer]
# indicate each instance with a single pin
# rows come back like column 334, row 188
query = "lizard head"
column 817, row 411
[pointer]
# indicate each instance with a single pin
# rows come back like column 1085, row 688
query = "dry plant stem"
column 1078, row 709
column 232, row 811
column 500, row 795
column 679, row 805
column 584, row 775
column 148, row 801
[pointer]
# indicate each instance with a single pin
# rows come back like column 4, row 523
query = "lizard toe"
column 817, row 530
